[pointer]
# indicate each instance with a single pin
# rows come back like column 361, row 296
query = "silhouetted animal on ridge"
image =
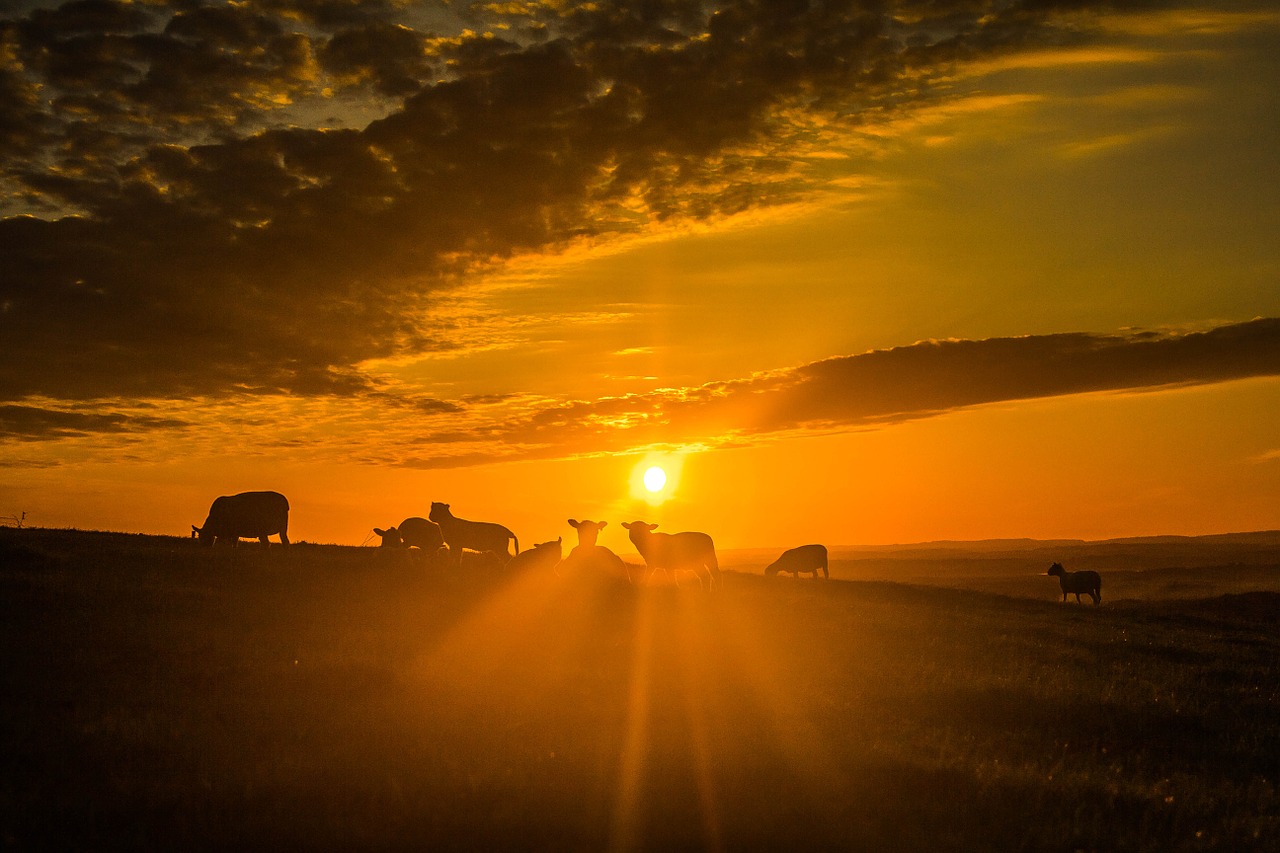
column 806, row 558
column 588, row 531
column 587, row 556
column 544, row 555
column 675, row 551
column 1078, row 582
column 413, row 532
column 460, row 533
column 248, row 515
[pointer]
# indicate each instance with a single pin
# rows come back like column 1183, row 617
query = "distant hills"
column 997, row 557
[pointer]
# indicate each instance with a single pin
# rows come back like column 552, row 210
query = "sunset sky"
column 852, row 272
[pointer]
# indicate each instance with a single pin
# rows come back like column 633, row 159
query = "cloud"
column 33, row 423
column 393, row 425
column 872, row 389
column 188, row 212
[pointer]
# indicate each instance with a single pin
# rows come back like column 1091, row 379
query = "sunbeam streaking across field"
column 696, row 685
column 623, row 829
column 671, row 697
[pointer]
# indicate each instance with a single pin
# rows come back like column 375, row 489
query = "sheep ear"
column 626, row 525
column 573, row 523
column 653, row 527
column 379, row 531
column 195, row 529
column 603, row 525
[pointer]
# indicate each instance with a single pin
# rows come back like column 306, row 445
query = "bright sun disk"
column 654, row 479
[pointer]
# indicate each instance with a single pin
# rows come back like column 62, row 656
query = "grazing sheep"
column 544, row 555
column 587, row 556
column 459, row 533
column 1078, row 582
column 806, row 558
column 675, row 551
column 248, row 515
column 413, row 532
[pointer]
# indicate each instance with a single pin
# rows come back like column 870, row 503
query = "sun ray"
column 623, row 828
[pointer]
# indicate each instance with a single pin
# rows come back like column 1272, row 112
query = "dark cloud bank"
column 887, row 386
column 177, row 227
column 217, row 249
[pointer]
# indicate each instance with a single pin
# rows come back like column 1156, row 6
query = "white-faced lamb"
column 687, row 551
column 806, row 558
column 483, row 536
column 1076, row 583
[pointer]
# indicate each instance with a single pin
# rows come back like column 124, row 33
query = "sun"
column 656, row 477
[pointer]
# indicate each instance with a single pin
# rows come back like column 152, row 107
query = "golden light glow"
column 656, row 477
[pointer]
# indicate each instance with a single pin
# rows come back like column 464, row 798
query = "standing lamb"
column 1078, row 582
column 806, row 558
column 675, row 551
column 248, row 515
column 459, row 533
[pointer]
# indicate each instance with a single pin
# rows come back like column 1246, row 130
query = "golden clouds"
column 227, row 251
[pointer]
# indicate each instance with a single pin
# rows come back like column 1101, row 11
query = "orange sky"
column 1006, row 274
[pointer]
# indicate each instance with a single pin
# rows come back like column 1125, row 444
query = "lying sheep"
column 413, row 532
column 588, row 557
column 675, row 551
column 806, row 558
column 588, row 531
column 544, row 555
column 1078, row 582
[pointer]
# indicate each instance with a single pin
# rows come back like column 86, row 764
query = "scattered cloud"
column 204, row 240
column 1190, row 21
column 188, row 213
column 873, row 389
column 34, row 423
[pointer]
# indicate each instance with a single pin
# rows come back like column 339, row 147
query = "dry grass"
column 159, row 696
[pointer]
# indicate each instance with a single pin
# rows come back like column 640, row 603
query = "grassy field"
column 159, row 696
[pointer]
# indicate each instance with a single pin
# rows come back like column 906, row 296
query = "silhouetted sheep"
column 544, row 555
column 413, row 532
column 587, row 556
column 588, row 531
column 459, row 533
column 806, row 558
column 1089, row 583
column 248, row 515
column 689, row 550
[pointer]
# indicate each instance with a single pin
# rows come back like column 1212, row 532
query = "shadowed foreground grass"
column 159, row 696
